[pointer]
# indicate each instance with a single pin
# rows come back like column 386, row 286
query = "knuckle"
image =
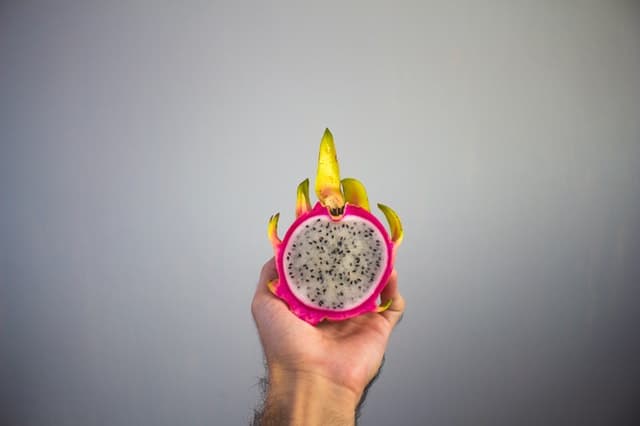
column 254, row 307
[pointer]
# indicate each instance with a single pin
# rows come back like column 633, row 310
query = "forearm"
column 306, row 399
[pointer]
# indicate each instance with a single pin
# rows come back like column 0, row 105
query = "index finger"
column 267, row 273
column 262, row 297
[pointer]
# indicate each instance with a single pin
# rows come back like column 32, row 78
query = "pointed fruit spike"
column 272, row 231
column 355, row 193
column 384, row 306
column 328, row 177
column 272, row 286
column 394, row 224
column 302, row 201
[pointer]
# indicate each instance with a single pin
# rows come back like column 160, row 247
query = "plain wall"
column 144, row 145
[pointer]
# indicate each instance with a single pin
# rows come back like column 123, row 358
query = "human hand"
column 324, row 368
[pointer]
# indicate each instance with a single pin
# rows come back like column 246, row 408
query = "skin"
column 317, row 375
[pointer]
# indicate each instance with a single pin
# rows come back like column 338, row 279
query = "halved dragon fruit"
column 335, row 259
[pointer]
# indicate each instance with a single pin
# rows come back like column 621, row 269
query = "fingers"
column 396, row 310
column 267, row 274
column 262, row 294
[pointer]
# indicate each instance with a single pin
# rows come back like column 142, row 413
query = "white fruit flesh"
column 335, row 265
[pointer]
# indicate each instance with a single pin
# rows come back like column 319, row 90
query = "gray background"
column 143, row 147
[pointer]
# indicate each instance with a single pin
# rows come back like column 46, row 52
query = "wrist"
column 308, row 398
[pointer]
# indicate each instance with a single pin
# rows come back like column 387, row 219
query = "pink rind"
column 315, row 315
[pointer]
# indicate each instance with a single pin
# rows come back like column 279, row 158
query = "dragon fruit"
column 336, row 258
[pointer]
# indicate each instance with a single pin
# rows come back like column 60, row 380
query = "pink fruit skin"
column 314, row 315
